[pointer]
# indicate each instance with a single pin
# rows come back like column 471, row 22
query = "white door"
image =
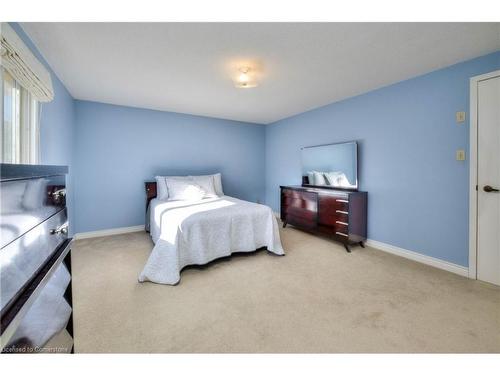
column 488, row 180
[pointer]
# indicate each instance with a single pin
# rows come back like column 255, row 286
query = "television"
column 332, row 166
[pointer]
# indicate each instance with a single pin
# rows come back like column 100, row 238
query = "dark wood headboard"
column 150, row 191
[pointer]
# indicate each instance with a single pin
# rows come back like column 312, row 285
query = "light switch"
column 460, row 155
column 460, row 116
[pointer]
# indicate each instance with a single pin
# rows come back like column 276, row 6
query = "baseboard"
column 277, row 214
column 425, row 259
column 108, row 232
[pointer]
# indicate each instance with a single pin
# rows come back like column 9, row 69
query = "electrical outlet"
column 460, row 117
column 460, row 155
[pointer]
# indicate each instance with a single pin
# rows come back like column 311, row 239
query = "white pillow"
column 217, row 183
column 207, row 184
column 184, row 190
column 319, row 178
column 162, row 190
column 338, row 179
column 161, row 185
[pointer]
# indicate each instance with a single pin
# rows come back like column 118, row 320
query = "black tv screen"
column 334, row 166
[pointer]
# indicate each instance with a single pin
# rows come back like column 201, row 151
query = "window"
column 20, row 125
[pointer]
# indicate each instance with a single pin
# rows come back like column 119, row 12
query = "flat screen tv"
column 332, row 166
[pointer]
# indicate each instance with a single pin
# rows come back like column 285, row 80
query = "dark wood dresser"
column 337, row 213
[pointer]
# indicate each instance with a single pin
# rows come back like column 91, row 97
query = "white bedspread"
column 198, row 232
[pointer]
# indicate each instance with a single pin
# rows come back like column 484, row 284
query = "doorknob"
column 489, row 189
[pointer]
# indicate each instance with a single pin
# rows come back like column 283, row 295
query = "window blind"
column 23, row 66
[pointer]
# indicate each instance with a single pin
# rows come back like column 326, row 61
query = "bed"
column 197, row 232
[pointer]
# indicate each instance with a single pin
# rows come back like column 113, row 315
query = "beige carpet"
column 317, row 298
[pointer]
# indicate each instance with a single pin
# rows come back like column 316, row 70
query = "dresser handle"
column 342, row 234
column 58, row 193
column 342, row 212
column 341, row 200
column 341, row 222
column 61, row 230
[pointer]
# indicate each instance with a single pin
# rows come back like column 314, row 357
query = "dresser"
column 36, row 311
column 340, row 214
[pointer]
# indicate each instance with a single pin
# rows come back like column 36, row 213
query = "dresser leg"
column 347, row 248
column 361, row 244
column 284, row 224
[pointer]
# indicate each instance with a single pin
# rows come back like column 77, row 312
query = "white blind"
column 23, row 66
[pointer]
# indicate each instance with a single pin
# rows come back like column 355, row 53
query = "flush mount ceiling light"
column 245, row 78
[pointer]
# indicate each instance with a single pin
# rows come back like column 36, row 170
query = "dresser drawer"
column 299, row 208
column 297, row 194
column 299, row 204
column 27, row 203
column 300, row 221
column 22, row 258
column 332, row 209
column 341, row 226
column 303, row 214
column 341, row 204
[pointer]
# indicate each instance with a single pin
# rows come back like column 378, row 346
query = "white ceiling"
column 187, row 67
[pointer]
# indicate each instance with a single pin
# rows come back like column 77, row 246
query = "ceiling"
column 187, row 67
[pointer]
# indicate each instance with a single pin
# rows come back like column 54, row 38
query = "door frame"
column 473, row 192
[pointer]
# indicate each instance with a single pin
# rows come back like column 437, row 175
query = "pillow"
column 161, row 185
column 162, row 190
column 319, row 178
column 217, row 183
column 337, row 179
column 207, row 184
column 184, row 190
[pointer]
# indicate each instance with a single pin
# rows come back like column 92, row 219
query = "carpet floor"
column 317, row 298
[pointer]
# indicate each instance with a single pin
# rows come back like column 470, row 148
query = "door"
column 488, row 180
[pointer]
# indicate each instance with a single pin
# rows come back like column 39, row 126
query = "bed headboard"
column 150, row 191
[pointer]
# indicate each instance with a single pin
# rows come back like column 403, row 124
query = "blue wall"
column 118, row 148
column 417, row 191
column 57, row 125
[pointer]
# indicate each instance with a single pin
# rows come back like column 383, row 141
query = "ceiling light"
column 245, row 78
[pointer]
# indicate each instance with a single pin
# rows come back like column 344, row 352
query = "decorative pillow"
column 184, row 190
column 207, row 184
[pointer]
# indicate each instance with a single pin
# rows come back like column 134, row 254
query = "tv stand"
column 340, row 214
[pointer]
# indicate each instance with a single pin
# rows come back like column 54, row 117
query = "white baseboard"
column 430, row 261
column 108, row 232
column 277, row 214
